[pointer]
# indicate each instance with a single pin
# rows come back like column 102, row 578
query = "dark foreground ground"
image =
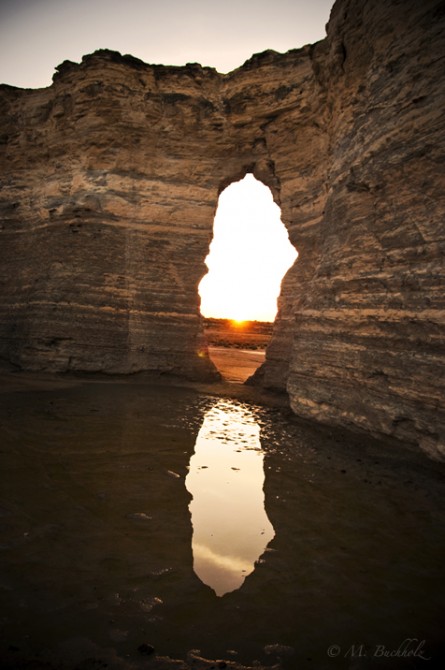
column 97, row 568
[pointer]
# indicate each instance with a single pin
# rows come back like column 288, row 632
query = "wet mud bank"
column 102, row 547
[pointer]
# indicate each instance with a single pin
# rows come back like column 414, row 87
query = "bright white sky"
column 249, row 255
column 38, row 35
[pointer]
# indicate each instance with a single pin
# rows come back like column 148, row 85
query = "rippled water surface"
column 163, row 516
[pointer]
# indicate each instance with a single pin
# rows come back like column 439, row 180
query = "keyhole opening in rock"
column 248, row 258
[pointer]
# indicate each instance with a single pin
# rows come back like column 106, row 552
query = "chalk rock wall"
column 109, row 184
column 369, row 333
column 108, row 200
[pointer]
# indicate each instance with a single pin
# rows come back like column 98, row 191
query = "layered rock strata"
column 369, row 333
column 110, row 181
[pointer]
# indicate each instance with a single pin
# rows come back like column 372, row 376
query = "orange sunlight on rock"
column 249, row 255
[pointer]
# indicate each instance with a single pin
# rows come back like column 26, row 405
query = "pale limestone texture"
column 110, row 180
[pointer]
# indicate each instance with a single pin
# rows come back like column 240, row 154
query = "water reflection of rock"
column 96, row 535
column 231, row 529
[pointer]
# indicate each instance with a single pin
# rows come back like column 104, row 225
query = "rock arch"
column 110, row 180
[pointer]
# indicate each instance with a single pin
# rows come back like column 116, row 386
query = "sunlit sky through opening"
column 249, row 254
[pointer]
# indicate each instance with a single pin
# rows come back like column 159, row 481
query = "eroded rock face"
column 369, row 335
column 110, row 183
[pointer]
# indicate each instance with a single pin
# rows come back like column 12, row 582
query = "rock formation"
column 110, row 180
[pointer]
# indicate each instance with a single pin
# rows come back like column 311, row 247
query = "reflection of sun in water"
column 231, row 529
column 248, row 257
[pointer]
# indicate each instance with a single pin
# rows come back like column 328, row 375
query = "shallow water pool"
column 162, row 516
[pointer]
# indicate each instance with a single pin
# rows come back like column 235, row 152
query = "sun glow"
column 248, row 257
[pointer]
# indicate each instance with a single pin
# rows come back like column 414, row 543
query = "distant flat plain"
column 237, row 348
